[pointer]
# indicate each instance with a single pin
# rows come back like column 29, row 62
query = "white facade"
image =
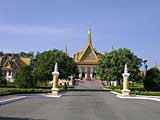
column 9, row 76
column 87, row 71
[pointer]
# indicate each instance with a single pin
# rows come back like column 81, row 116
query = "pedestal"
column 55, row 91
column 125, row 92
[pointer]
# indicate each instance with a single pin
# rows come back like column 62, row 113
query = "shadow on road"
column 89, row 90
column 15, row 118
column 77, row 95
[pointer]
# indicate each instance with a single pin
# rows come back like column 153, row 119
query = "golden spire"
column 66, row 50
column 89, row 42
column 112, row 48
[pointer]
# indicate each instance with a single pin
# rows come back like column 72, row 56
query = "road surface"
column 81, row 105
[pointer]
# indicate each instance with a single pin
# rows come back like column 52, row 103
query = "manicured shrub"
column 24, row 78
column 9, row 91
column 65, row 86
column 152, row 80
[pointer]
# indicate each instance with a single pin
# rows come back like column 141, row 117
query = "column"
column 86, row 76
column 91, row 72
column 7, row 75
column 11, row 76
column 80, row 72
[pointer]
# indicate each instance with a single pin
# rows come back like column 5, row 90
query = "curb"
column 11, row 100
column 107, row 89
column 3, row 102
column 138, row 97
column 52, row 96
column 116, row 93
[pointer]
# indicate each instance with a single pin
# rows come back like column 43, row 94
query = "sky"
column 40, row 25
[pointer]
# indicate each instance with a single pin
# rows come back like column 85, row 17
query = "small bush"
column 152, row 80
column 24, row 78
column 117, row 90
column 3, row 83
column 65, row 86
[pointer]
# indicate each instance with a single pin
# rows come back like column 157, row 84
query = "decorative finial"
column 89, row 29
column 55, row 73
column 125, row 69
column 56, row 68
column 89, row 42
column 66, row 50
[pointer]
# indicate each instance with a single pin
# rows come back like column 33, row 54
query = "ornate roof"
column 11, row 62
column 88, row 56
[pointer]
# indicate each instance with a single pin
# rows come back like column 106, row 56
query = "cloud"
column 28, row 29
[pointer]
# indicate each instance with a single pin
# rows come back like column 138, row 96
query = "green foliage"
column 152, row 80
column 42, row 84
column 111, row 65
column 3, row 82
column 46, row 62
column 149, row 93
column 24, row 54
column 65, row 86
column 11, row 85
column 9, row 91
column 24, row 78
column 137, row 87
column 117, row 90
column 1, row 75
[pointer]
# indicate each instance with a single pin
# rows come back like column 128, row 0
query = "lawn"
column 137, row 89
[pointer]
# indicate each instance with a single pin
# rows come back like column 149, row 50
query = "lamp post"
column 145, row 65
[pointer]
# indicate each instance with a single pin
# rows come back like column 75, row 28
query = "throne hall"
column 87, row 59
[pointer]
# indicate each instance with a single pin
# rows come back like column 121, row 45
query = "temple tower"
column 87, row 59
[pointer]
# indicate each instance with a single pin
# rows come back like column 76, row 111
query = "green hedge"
column 149, row 93
column 8, row 91
column 117, row 90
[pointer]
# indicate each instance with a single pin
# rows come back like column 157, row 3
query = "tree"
column 24, row 78
column 3, row 82
column 152, row 80
column 1, row 53
column 24, row 54
column 111, row 65
column 1, row 75
column 45, row 65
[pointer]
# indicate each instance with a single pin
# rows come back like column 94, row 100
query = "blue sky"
column 39, row 25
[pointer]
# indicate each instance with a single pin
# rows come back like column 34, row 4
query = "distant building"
column 11, row 64
column 87, row 59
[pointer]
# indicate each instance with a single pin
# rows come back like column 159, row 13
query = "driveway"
column 81, row 105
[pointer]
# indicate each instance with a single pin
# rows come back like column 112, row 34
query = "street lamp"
column 145, row 64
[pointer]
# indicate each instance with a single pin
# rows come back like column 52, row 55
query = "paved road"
column 81, row 105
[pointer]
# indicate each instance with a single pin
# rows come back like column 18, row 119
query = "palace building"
column 87, row 59
column 10, row 64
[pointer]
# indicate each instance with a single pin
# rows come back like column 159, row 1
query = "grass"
column 137, row 89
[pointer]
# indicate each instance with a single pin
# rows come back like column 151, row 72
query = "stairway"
column 89, row 85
